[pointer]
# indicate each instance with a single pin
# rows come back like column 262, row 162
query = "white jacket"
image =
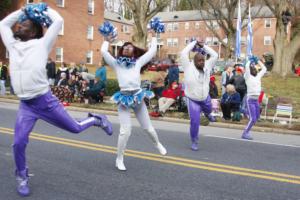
column 254, row 82
column 28, row 59
column 197, row 83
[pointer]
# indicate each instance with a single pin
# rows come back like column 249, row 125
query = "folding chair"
column 284, row 110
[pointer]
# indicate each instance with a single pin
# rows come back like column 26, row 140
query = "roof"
column 195, row 15
column 112, row 16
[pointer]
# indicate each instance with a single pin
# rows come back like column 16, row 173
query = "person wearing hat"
column 253, row 82
column 238, row 81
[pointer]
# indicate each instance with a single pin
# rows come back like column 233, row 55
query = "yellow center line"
column 168, row 159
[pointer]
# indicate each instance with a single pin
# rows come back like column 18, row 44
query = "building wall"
column 259, row 32
column 76, row 45
column 76, row 20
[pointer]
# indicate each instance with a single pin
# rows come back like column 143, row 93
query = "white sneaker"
column 162, row 150
column 120, row 165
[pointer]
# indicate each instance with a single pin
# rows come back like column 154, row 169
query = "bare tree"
column 223, row 12
column 287, row 39
column 143, row 11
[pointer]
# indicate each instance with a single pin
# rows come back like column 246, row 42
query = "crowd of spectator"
column 73, row 83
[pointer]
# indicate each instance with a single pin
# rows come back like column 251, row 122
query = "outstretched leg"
column 142, row 115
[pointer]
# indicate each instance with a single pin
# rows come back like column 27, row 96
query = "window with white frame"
column 187, row 25
column 29, row 1
column 175, row 42
column 169, row 42
column 169, row 27
column 267, row 40
column 267, row 23
column 186, row 40
column 197, row 25
column 243, row 40
column 175, row 26
column 61, row 32
column 89, row 57
column 209, row 41
column 60, row 3
column 91, row 7
column 212, row 24
column 90, row 33
column 59, row 54
column 125, row 29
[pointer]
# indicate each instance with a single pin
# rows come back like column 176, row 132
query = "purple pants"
column 253, row 112
column 48, row 108
column 195, row 109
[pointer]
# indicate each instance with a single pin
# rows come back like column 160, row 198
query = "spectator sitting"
column 62, row 69
column 63, row 80
column 74, row 85
column 213, row 89
column 230, row 103
column 93, row 94
column 169, row 97
column 89, row 78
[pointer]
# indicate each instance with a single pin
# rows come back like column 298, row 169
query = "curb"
column 183, row 121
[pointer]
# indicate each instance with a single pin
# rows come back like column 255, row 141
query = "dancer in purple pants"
column 29, row 49
column 196, row 81
column 253, row 82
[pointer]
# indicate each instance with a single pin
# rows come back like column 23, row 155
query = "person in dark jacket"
column 173, row 73
column 93, row 94
column 51, row 71
column 239, row 82
column 3, row 78
column 230, row 103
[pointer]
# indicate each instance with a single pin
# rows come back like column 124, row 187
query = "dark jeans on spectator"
column 227, row 108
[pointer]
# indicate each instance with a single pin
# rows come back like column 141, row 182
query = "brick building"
column 181, row 26
column 80, row 41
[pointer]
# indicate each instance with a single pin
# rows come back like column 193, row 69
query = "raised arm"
column 144, row 59
column 263, row 70
column 247, row 70
column 213, row 57
column 109, row 59
column 52, row 32
column 5, row 28
column 184, row 55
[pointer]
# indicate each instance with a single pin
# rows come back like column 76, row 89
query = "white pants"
column 165, row 103
column 2, row 87
column 143, row 118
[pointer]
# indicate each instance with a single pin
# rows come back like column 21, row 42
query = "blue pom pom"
column 253, row 59
column 107, row 28
column 37, row 13
column 157, row 25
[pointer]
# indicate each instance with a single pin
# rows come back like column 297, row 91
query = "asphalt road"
column 66, row 166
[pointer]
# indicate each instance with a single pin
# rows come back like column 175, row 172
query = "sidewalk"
column 185, row 121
